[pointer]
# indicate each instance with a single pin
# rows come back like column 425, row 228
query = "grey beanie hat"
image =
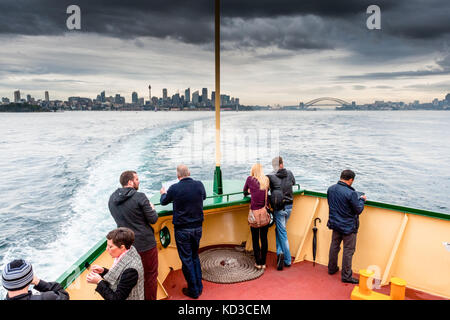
column 17, row 275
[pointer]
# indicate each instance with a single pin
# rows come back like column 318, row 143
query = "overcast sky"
column 273, row 52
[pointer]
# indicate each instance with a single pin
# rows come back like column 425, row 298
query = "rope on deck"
column 228, row 265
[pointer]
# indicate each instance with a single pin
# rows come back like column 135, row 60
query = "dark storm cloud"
column 396, row 75
column 327, row 8
column 420, row 19
column 186, row 21
column 192, row 21
column 140, row 18
column 442, row 68
column 409, row 27
column 289, row 33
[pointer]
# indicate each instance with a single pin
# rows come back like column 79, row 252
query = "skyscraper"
column 102, row 96
column 224, row 100
column 17, row 96
column 164, row 94
column 47, row 97
column 176, row 99
column 204, row 95
column 187, row 95
column 195, row 97
column 134, row 97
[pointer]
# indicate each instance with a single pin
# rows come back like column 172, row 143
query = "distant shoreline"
column 22, row 108
column 27, row 108
column 150, row 111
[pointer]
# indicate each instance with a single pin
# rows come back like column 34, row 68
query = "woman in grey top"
column 125, row 280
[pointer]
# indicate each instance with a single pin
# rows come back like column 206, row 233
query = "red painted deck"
column 301, row 281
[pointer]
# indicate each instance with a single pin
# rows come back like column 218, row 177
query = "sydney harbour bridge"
column 325, row 101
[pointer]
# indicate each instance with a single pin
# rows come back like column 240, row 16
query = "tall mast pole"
column 218, row 187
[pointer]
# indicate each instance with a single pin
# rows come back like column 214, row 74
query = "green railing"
column 230, row 194
column 394, row 207
column 84, row 262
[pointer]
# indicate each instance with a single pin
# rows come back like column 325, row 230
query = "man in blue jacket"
column 345, row 206
column 187, row 196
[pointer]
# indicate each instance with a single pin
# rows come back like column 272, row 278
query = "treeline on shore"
column 22, row 107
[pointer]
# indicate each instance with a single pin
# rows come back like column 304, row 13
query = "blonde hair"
column 257, row 172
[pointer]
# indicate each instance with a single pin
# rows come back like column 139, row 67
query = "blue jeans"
column 188, row 242
column 281, row 217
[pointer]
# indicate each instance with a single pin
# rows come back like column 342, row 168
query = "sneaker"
column 280, row 261
column 351, row 280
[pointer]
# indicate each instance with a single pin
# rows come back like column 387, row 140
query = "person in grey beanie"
column 18, row 275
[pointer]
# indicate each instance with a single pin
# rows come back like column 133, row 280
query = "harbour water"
column 58, row 169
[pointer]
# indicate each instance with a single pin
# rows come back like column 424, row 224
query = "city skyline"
column 201, row 102
column 18, row 95
column 272, row 53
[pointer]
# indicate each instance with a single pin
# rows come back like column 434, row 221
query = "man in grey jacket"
column 133, row 210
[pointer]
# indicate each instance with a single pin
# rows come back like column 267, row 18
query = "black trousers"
column 260, row 252
column 349, row 249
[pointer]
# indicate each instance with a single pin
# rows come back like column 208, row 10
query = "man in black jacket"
column 17, row 277
column 187, row 196
column 281, row 196
column 345, row 206
column 133, row 210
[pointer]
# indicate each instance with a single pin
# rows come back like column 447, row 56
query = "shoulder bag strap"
column 265, row 200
